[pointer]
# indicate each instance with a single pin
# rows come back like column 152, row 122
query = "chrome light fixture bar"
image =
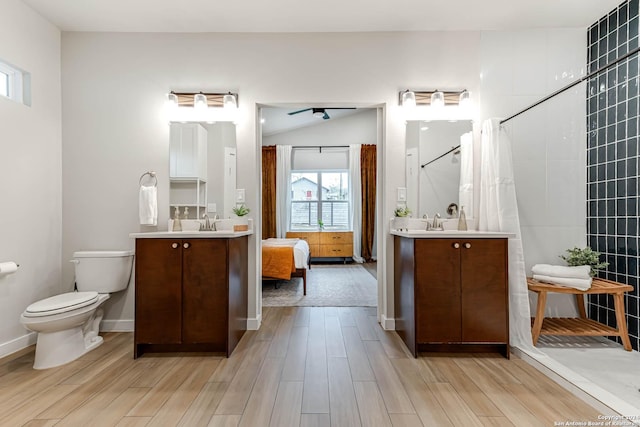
column 411, row 98
column 203, row 99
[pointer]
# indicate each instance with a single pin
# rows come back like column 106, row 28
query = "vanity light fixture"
column 435, row 98
column 203, row 99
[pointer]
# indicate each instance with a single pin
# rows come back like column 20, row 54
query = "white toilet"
column 68, row 324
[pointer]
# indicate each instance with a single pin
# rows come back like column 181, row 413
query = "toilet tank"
column 103, row 271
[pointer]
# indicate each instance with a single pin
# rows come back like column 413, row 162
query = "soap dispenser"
column 177, row 225
column 186, row 212
column 462, row 220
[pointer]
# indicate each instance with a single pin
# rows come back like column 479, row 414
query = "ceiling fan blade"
column 326, row 116
column 299, row 111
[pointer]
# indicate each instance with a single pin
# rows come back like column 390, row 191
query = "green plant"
column 402, row 211
column 585, row 256
column 241, row 210
column 320, row 224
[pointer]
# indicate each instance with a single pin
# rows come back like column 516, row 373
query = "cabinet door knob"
column 174, row 245
column 185, row 245
column 456, row 245
column 467, row 245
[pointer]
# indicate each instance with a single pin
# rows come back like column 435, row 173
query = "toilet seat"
column 61, row 303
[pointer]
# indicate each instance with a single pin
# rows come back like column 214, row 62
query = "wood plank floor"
column 306, row 366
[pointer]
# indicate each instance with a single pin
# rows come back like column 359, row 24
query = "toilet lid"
column 61, row 303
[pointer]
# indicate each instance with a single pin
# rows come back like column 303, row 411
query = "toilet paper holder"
column 8, row 267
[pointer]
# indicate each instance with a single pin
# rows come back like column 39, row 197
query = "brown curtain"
column 368, row 170
column 268, row 191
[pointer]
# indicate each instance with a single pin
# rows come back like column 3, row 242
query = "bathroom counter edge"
column 452, row 234
column 190, row 235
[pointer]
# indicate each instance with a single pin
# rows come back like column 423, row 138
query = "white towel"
column 580, row 284
column 148, row 205
column 576, row 272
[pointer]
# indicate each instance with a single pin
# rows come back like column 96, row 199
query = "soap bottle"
column 186, row 213
column 462, row 220
column 177, row 225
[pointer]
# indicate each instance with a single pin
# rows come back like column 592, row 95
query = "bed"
column 283, row 259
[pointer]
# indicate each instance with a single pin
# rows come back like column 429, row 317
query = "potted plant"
column 241, row 224
column 401, row 220
column 321, row 224
column 585, row 256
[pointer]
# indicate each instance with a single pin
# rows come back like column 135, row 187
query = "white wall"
column 114, row 87
column 549, row 155
column 30, row 171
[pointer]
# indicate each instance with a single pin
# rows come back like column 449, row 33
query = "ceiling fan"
column 321, row 112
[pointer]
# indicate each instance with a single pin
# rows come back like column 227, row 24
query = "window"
column 320, row 196
column 14, row 83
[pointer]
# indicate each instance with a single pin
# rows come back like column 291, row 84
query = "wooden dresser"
column 327, row 244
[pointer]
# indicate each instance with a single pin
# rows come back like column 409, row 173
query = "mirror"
column 202, row 169
column 447, row 174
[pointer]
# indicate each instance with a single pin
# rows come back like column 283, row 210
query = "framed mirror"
column 439, row 167
column 202, row 169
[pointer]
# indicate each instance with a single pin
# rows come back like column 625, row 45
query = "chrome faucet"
column 207, row 224
column 437, row 223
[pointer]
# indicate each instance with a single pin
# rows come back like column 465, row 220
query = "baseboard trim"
column 18, row 344
column 253, row 323
column 117, row 326
column 387, row 323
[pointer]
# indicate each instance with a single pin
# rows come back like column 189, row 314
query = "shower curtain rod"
column 320, row 147
column 440, row 156
column 570, row 85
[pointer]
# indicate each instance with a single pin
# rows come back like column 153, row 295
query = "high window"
column 320, row 199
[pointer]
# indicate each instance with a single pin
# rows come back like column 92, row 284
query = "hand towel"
column 580, row 284
column 148, row 205
column 577, row 272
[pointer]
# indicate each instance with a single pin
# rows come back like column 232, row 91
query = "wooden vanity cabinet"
column 191, row 294
column 452, row 294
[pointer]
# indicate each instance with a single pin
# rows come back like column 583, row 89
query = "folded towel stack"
column 572, row 277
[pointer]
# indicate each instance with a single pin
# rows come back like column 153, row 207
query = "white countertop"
column 223, row 234
column 452, row 234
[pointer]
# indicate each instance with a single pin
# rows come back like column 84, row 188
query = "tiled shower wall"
column 612, row 159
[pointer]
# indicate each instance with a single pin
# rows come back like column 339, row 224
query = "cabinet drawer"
column 336, row 250
column 312, row 238
column 315, row 250
column 334, row 237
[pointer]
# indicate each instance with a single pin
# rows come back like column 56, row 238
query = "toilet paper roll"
column 8, row 267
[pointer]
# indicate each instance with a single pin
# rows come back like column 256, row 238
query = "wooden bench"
column 581, row 326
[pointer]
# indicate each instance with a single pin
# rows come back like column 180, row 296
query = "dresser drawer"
column 335, row 237
column 311, row 237
column 342, row 251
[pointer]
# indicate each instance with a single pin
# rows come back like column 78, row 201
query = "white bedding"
column 300, row 249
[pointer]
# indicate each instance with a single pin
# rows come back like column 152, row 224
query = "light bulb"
column 200, row 101
column 229, row 101
column 437, row 99
column 465, row 99
column 408, row 98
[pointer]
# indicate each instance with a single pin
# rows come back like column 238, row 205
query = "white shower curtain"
column 498, row 211
column 283, row 189
column 465, row 197
column 355, row 190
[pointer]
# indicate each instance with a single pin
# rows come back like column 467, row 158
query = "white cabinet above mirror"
column 439, row 167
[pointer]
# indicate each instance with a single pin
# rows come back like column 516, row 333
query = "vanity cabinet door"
column 204, row 291
column 485, row 298
column 158, row 314
column 437, row 291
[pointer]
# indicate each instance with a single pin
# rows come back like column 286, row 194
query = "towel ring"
column 152, row 174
